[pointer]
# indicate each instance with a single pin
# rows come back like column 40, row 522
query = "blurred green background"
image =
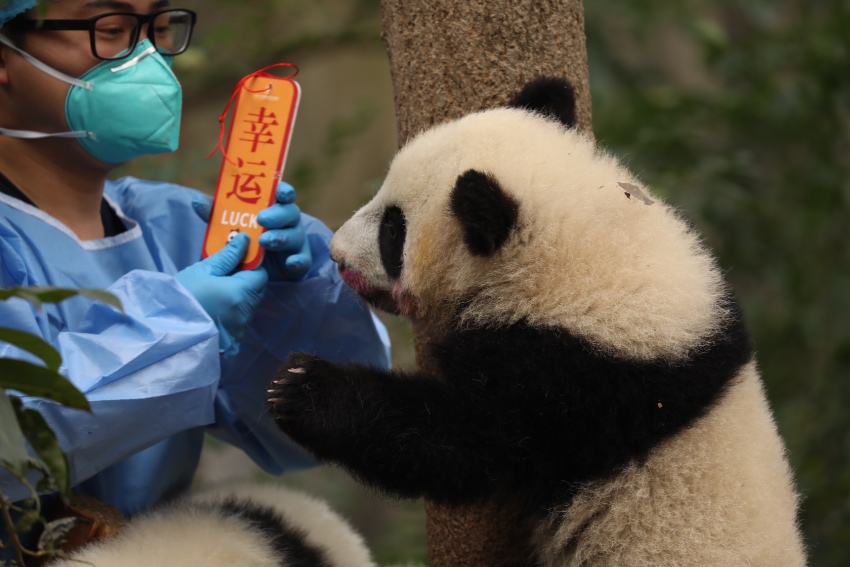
column 737, row 112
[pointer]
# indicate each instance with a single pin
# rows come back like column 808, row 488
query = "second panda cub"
column 589, row 359
column 247, row 524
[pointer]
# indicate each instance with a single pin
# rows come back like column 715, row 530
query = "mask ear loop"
column 26, row 134
column 46, row 68
column 239, row 86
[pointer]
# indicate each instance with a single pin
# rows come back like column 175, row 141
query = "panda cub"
column 256, row 525
column 589, row 359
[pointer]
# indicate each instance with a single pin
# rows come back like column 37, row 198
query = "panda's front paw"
column 300, row 398
column 302, row 367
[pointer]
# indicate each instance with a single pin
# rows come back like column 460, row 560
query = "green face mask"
column 119, row 110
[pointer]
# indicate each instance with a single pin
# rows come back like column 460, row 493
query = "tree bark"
column 448, row 58
column 451, row 57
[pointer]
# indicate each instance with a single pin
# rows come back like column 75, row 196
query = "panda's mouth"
column 381, row 299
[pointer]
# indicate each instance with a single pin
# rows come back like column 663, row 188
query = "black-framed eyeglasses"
column 115, row 35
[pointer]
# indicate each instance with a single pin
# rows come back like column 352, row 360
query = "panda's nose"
column 339, row 259
column 336, row 255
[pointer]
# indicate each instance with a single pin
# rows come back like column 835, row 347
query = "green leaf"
column 23, row 293
column 27, row 521
column 103, row 297
column 34, row 380
column 39, row 295
column 46, row 446
column 33, row 345
column 13, row 450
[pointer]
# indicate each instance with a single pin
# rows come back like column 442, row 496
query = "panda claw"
column 297, row 371
column 275, row 400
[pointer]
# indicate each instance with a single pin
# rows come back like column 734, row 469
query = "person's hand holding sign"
column 287, row 251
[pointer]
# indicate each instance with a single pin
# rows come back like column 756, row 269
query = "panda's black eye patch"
column 391, row 237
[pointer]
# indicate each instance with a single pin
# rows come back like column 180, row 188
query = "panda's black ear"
column 551, row 96
column 486, row 213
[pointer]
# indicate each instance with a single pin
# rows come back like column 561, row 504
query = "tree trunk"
column 448, row 58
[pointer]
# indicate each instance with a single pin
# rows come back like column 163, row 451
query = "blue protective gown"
column 153, row 375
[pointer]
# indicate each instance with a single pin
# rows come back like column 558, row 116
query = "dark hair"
column 16, row 35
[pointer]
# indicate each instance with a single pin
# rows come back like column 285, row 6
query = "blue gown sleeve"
column 155, row 371
column 317, row 314
column 149, row 372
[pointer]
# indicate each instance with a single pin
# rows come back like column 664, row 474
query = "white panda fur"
column 222, row 527
column 718, row 494
column 592, row 257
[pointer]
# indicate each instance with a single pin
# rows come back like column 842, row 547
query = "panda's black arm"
column 526, row 409
column 404, row 433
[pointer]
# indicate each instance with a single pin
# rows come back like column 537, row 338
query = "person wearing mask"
column 86, row 86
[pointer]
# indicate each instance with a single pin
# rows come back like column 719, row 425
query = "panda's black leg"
column 406, row 434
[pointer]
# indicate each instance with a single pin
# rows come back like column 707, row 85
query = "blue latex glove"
column 286, row 249
column 230, row 299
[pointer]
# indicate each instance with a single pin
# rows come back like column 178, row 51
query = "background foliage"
column 739, row 113
column 22, row 428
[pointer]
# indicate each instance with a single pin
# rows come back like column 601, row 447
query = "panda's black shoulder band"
column 576, row 413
